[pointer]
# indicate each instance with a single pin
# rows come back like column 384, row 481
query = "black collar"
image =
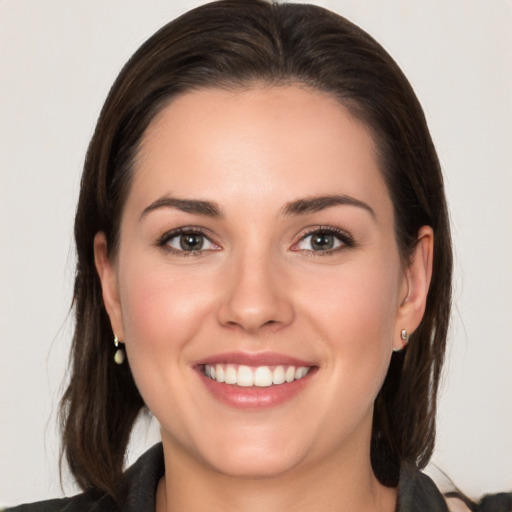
column 417, row 492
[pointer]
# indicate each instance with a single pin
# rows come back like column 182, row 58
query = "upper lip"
column 254, row 359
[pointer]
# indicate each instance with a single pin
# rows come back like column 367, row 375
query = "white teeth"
column 299, row 372
column 261, row 376
column 290, row 374
column 244, row 377
column 230, row 374
column 219, row 370
column 278, row 375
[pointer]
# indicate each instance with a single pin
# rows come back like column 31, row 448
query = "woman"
column 262, row 228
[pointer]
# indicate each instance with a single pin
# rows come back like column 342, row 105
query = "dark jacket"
column 417, row 493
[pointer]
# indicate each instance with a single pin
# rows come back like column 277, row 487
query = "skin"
column 259, row 285
column 456, row 505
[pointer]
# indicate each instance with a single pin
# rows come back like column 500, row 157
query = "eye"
column 323, row 240
column 187, row 240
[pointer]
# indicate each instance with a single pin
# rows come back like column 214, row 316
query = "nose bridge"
column 255, row 296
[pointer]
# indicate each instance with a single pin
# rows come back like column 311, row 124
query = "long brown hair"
column 232, row 44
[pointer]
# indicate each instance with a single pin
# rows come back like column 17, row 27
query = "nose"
column 256, row 295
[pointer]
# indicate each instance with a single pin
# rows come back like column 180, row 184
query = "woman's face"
column 258, row 240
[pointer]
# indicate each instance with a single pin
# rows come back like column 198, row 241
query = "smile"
column 255, row 376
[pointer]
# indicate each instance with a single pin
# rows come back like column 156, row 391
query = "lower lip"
column 254, row 397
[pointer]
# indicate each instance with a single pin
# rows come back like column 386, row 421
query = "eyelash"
column 164, row 240
column 342, row 236
column 346, row 240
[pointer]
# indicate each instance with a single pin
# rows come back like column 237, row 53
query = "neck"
column 189, row 486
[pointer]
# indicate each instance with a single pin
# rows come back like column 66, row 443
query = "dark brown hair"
column 233, row 44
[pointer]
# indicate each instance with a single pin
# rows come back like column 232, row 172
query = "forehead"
column 277, row 142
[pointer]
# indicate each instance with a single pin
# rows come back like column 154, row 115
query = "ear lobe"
column 109, row 286
column 418, row 275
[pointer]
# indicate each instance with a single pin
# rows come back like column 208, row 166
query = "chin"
column 254, row 466
column 252, row 456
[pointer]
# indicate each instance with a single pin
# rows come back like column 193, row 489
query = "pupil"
column 191, row 242
column 322, row 241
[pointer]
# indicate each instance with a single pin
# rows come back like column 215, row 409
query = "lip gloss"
column 254, row 397
column 238, row 394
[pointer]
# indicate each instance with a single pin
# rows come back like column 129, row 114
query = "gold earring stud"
column 404, row 335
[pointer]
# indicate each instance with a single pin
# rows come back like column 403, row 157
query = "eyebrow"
column 297, row 207
column 198, row 207
column 318, row 203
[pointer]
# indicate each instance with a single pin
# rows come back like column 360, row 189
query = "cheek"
column 162, row 313
column 152, row 298
column 355, row 313
column 356, row 300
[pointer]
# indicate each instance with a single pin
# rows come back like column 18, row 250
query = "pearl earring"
column 119, row 355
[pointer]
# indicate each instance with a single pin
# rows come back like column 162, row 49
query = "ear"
column 109, row 286
column 416, row 284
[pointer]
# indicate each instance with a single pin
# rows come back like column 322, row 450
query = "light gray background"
column 58, row 59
